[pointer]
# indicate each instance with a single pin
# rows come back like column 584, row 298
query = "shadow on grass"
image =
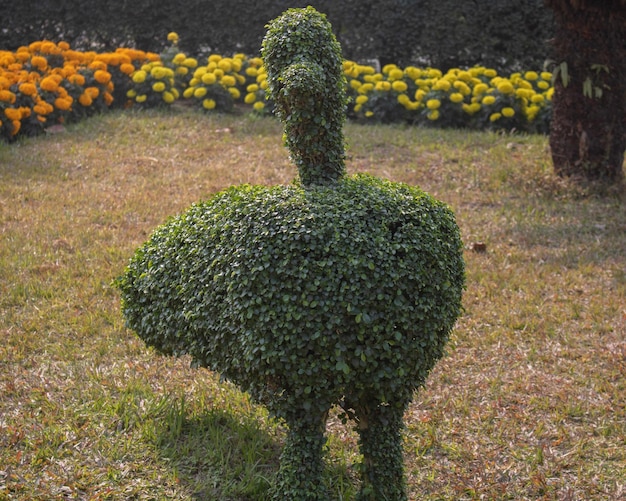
column 221, row 455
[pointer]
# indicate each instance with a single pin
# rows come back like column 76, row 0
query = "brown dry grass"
column 529, row 404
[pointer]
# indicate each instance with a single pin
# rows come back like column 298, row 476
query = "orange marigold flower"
column 63, row 45
column 85, row 99
column 13, row 113
column 43, row 108
column 7, row 96
column 39, row 62
column 63, row 103
column 35, row 46
column 101, row 76
column 97, row 65
column 17, row 125
column 28, row 89
column 76, row 79
column 127, row 68
column 93, row 92
column 108, row 98
column 48, row 47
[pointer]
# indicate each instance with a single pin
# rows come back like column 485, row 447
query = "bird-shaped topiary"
column 337, row 290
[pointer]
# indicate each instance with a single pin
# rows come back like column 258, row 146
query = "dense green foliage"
column 307, row 84
column 505, row 35
column 337, row 291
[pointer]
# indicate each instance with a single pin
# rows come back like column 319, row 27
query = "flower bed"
column 48, row 83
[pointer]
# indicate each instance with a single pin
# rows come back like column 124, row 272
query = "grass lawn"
column 530, row 402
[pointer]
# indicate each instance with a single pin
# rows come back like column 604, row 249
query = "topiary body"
column 337, row 291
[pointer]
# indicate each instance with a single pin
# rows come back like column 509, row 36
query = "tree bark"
column 588, row 131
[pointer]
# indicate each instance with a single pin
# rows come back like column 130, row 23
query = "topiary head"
column 306, row 81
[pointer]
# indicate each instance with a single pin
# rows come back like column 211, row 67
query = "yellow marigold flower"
column 49, row 84
column 158, row 72
column 456, row 97
column 479, row 89
column 168, row 97
column 214, row 58
column 488, row 100
column 131, row 93
column 228, row 81
column 240, row 78
column 465, row 76
column 434, row 73
column 532, row 112
column 388, row 67
column 208, row 78
column 85, row 100
column 190, row 62
column 383, row 86
column 494, row 116
column 250, row 98
column 199, row 92
column 139, row 76
column 225, row 65
column 179, row 58
column 362, row 99
column 252, row 88
column 263, row 84
column 28, row 89
column 489, row 73
column 412, row 72
column 442, row 84
column 259, row 105
column 218, row 72
column 101, row 76
column 188, row 92
column 234, row 91
column 355, row 84
column 505, row 87
column 546, row 75
column 172, row 36
column 433, row 115
column 251, row 71
column 158, row 86
column 508, row 112
column 396, row 74
column 403, row 99
column 182, row 70
column 433, row 104
column 208, row 104
column 543, row 85
column 357, row 108
column 537, row 99
column 369, row 114
column 419, row 94
column 462, row 87
column 399, row 86
column 531, row 75
column 366, row 87
column 141, row 98
column 63, row 103
column 175, row 92
column 549, row 93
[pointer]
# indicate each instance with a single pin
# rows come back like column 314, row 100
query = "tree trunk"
column 588, row 132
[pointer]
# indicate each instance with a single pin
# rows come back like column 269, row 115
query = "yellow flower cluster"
column 154, row 83
column 46, row 83
column 475, row 97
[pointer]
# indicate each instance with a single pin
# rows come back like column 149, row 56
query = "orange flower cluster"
column 46, row 83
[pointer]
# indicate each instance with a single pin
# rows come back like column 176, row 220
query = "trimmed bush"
column 332, row 291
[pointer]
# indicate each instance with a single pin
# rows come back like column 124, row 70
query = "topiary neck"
column 307, row 84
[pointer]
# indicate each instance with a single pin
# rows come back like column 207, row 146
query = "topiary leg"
column 301, row 462
column 380, row 431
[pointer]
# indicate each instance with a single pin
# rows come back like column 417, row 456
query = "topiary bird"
column 334, row 290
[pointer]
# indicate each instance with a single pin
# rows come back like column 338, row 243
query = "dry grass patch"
column 529, row 404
